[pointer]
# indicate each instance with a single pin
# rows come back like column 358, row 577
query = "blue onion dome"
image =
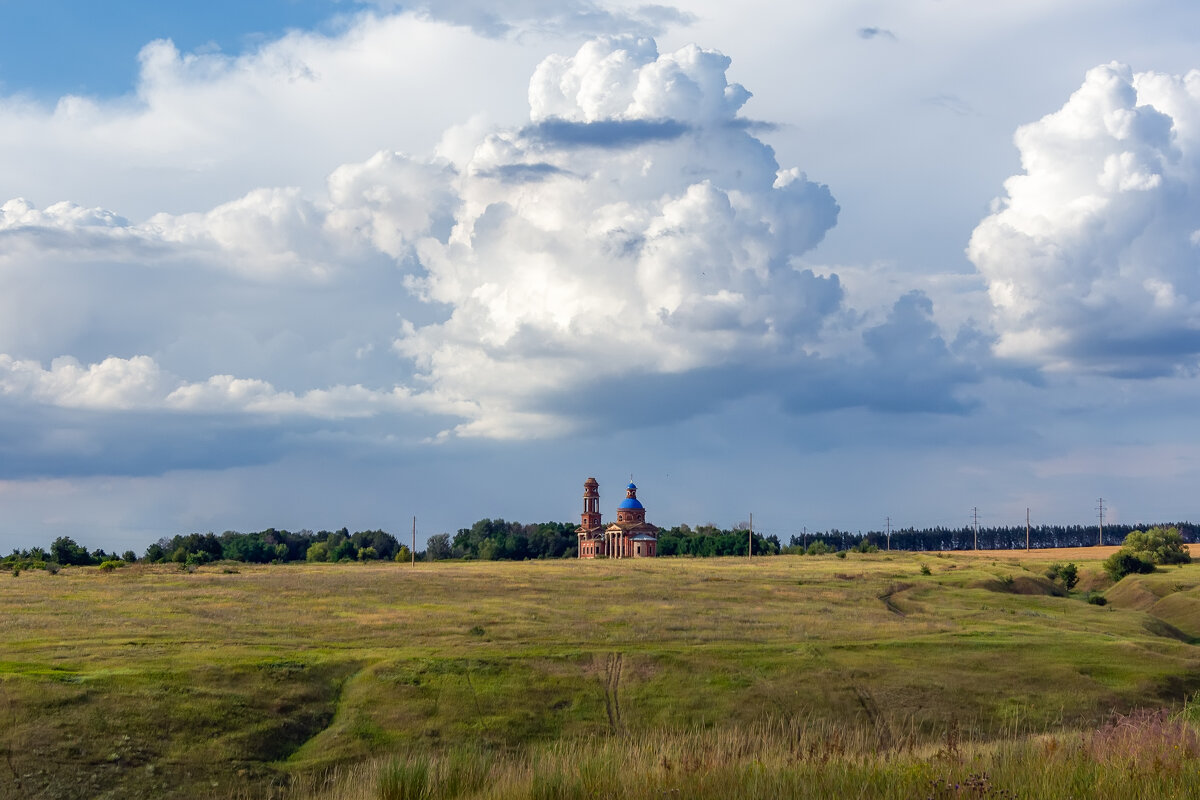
column 630, row 502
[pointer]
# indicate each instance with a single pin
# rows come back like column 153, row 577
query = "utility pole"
column 1101, row 521
column 413, row 552
column 889, row 534
column 1027, row 528
column 750, row 539
column 976, row 512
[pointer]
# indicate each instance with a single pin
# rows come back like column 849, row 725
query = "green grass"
column 151, row 682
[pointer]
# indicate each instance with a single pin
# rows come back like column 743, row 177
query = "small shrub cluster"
column 1066, row 574
column 1123, row 562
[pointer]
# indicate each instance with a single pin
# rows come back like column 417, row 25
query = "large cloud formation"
column 1093, row 256
column 633, row 228
column 628, row 255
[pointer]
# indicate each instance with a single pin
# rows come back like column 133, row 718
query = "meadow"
column 878, row 675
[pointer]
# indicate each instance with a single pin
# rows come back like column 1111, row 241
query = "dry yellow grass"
column 1042, row 554
column 1063, row 554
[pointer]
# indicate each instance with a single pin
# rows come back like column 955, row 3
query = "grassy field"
column 344, row 680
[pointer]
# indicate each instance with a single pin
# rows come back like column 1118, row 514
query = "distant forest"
column 994, row 538
column 496, row 539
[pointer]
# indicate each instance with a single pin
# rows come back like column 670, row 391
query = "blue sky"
column 311, row 264
column 56, row 47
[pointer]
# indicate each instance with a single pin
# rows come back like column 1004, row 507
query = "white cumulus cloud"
column 634, row 227
column 1091, row 256
column 139, row 384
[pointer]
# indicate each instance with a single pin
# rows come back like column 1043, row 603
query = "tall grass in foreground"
column 1149, row 754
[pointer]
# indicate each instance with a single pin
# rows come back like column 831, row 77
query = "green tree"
column 64, row 550
column 438, row 547
column 318, row 551
column 343, row 550
column 382, row 542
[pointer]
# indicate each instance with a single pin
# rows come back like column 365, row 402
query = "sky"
column 310, row 263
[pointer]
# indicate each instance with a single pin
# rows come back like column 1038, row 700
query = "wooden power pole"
column 750, row 539
column 976, row 512
column 413, row 551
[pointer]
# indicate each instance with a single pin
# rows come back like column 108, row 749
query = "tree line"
column 278, row 546
column 708, row 540
column 191, row 549
column 1003, row 537
column 498, row 539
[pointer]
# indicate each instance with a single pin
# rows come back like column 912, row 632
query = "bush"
column 1158, row 546
column 817, row 548
column 111, row 564
column 925, row 570
column 840, row 554
column 1067, row 574
column 1097, row 599
column 864, row 546
column 1124, row 562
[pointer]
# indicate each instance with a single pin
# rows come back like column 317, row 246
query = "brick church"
column 629, row 537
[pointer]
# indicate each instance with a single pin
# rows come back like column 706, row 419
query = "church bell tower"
column 590, row 518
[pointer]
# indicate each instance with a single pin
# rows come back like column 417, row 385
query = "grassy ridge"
column 148, row 681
